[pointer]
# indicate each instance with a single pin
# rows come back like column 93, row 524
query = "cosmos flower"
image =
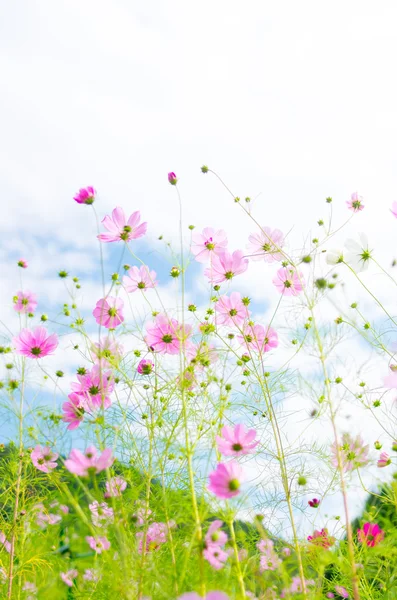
column 354, row 453
column 25, row 302
column 258, row 338
column 115, row 486
column 120, row 228
column 269, row 561
column 69, row 576
column 384, row 460
column 225, row 266
column 109, row 312
column 82, row 464
column 164, row 335
column 288, row 281
column 266, row 245
column 44, row 459
column 371, row 534
column 139, row 279
column 85, row 195
column 355, row 203
column 231, row 310
column 98, row 543
column 216, row 556
column 357, row 254
column 236, row 441
column 208, row 244
column 226, row 480
column 36, row 343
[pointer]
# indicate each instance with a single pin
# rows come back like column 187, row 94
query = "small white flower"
column 358, row 254
column 333, row 256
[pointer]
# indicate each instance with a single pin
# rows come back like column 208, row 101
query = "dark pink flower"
column 355, row 203
column 259, row 339
column 226, row 480
column 165, row 335
column 215, row 536
column 236, row 441
column 36, row 343
column 172, row 178
column 215, row 556
column 145, row 367
column 231, row 310
column 85, row 195
column 25, row 302
column 266, row 245
column 384, row 460
column 82, row 464
column 74, row 410
column 225, row 266
column 69, row 576
column 208, row 243
column 139, row 279
column 109, row 312
column 321, row 538
column 315, row 503
column 371, row 534
column 288, row 281
column 44, row 458
column 23, row 263
column 121, row 229
column 115, row 486
column 95, row 386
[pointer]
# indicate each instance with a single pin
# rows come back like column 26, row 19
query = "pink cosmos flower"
column 231, row 310
column 4, row 542
column 384, row 460
column 155, row 536
column 145, row 367
column 139, row 279
column 95, row 387
column 36, row 343
column 269, row 560
column 172, row 178
column 225, row 481
column 91, row 575
column 101, row 513
column 225, row 266
column 266, row 245
column 371, row 534
column 107, row 352
column 288, row 281
column 69, row 576
column 44, row 459
column 82, row 464
column 45, row 518
column 164, row 335
column 109, row 312
column 355, row 203
column 208, row 243
column 286, row 551
column 74, row 410
column 215, row 556
column 296, row 585
column 315, row 503
column 236, row 441
column 393, row 209
column 121, row 229
column 98, row 543
column 259, row 339
column 25, row 302
column 85, row 195
column 115, row 486
column 353, row 453
column 209, row 596
column 23, row 263
column 215, row 536
column 342, row 591
column 321, row 538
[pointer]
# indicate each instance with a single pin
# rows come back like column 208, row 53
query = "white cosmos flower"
column 333, row 256
column 358, row 254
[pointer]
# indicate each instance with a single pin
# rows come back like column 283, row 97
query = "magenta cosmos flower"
column 237, row 440
column 172, row 178
column 259, row 339
column 288, row 281
column 314, row 503
column 165, row 335
column 98, row 543
column 266, row 245
column 371, row 534
column 115, row 486
column 25, row 302
column 393, row 209
column 384, row 460
column 321, row 538
column 355, row 203
column 121, row 229
column 139, row 279
column 226, row 266
column 44, row 459
column 209, row 596
column 231, row 310
column 23, row 263
column 95, row 387
column 69, row 576
column 145, row 367
column 226, row 480
column 85, row 195
column 89, row 462
column 109, row 312
column 74, row 410
column 354, row 453
column 208, row 243
column 36, row 343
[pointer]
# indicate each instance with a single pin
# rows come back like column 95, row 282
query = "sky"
column 288, row 102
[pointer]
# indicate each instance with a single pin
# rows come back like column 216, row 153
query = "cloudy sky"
column 288, row 101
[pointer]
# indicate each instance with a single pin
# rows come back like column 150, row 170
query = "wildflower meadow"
column 199, row 445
